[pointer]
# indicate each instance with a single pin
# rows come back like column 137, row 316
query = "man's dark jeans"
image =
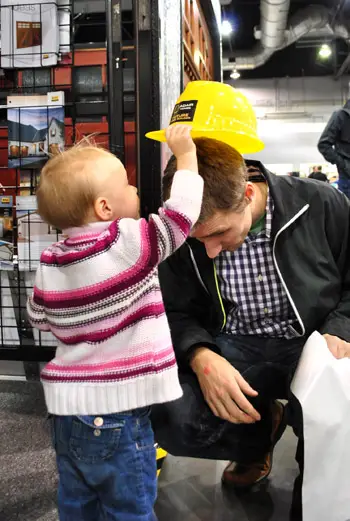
column 187, row 427
column 344, row 176
column 344, row 184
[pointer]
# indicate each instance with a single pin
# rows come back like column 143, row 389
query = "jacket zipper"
column 219, row 295
column 196, row 269
column 303, row 210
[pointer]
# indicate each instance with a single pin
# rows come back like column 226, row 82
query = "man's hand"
column 338, row 347
column 223, row 387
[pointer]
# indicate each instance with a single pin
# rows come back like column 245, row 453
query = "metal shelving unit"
column 111, row 90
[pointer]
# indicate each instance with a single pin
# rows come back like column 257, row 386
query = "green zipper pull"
column 219, row 295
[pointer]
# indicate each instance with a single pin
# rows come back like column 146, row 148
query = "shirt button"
column 260, row 278
column 266, row 310
column 98, row 422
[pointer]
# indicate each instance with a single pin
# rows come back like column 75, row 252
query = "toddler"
column 98, row 293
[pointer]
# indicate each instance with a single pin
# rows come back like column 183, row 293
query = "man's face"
column 225, row 231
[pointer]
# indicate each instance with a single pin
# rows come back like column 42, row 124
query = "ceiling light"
column 325, row 51
column 226, row 28
column 235, row 74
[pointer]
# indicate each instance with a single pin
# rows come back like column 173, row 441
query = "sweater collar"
column 90, row 230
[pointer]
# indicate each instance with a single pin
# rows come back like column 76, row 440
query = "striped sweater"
column 98, row 292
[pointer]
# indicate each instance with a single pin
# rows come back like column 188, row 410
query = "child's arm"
column 165, row 232
column 35, row 309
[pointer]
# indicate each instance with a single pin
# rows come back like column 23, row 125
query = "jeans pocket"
column 94, row 441
column 144, row 432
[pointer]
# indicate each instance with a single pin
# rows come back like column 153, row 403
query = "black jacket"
column 311, row 246
column 334, row 144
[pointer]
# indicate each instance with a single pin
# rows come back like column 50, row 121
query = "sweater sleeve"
column 165, row 232
column 35, row 310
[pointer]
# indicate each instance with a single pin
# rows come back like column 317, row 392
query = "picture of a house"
column 34, row 133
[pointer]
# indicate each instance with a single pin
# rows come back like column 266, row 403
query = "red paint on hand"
column 206, row 370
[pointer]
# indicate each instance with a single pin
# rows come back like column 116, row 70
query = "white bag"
column 322, row 386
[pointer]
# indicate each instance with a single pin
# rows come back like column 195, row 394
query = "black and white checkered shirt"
column 249, row 281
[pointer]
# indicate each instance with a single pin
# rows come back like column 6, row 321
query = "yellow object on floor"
column 161, row 455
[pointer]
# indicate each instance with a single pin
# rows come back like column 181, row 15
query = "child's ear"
column 103, row 209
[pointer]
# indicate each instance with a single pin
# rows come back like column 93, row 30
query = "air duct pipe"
column 303, row 22
column 274, row 16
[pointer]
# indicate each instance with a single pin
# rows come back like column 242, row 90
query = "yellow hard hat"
column 217, row 111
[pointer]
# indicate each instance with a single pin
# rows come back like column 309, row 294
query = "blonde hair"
column 67, row 188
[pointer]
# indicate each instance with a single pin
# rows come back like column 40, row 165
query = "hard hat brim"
column 242, row 142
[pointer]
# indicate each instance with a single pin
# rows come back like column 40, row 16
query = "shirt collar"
column 266, row 231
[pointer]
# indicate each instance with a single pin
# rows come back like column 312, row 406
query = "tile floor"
column 189, row 490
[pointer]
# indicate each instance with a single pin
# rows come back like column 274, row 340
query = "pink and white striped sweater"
column 98, row 292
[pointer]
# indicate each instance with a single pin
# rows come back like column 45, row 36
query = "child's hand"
column 179, row 140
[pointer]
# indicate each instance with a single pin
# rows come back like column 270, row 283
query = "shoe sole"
column 278, row 435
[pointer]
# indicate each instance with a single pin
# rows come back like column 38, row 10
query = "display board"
column 43, row 109
column 34, row 34
column 35, row 129
column 29, row 33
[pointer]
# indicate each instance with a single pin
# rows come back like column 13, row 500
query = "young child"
column 98, row 293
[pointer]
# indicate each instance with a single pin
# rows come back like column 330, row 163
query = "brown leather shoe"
column 241, row 475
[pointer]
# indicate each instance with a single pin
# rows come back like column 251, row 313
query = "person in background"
column 318, row 174
column 294, row 174
column 98, row 293
column 334, row 145
column 333, row 181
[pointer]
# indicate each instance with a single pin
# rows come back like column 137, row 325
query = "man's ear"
column 249, row 192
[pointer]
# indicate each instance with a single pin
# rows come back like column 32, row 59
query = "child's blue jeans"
column 107, row 467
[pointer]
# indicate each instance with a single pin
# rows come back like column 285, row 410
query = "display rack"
column 80, row 72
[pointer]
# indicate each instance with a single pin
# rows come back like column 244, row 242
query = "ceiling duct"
column 276, row 35
column 274, row 16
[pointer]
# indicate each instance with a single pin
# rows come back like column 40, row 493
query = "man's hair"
column 224, row 173
column 67, row 190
